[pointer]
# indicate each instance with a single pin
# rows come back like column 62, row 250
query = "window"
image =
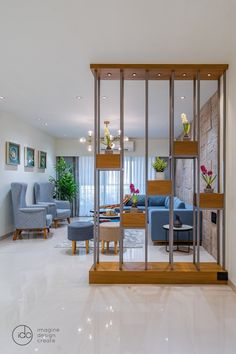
column 134, row 172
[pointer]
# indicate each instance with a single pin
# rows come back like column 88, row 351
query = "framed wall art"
column 29, row 157
column 12, row 153
column 42, row 160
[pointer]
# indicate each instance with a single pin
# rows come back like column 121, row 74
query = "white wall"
column 16, row 130
column 72, row 147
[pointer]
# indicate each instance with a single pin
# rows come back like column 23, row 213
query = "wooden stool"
column 110, row 232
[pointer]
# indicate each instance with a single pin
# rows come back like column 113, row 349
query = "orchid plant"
column 134, row 194
column 186, row 125
column 107, row 136
column 207, row 176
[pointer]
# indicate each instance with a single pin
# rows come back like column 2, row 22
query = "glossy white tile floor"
column 45, row 287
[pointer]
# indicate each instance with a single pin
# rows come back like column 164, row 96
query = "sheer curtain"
column 134, row 172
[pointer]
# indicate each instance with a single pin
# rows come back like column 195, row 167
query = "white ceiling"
column 47, row 46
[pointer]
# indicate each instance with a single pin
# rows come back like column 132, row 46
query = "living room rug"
column 132, row 239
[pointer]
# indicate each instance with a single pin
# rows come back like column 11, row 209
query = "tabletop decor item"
column 12, row 154
column 186, row 126
column 134, row 197
column 107, row 139
column 177, row 222
column 159, row 166
column 208, row 178
column 29, row 157
column 42, row 160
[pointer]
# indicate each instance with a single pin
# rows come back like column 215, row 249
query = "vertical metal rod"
column 224, row 171
column 171, row 138
column 95, row 169
column 194, row 172
column 218, row 171
column 146, row 167
column 98, row 172
column 121, row 166
column 198, row 169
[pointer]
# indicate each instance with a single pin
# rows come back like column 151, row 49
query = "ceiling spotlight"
column 184, row 74
column 159, row 74
column 182, row 97
column 2, row 98
column 209, row 74
column 78, row 97
column 104, row 97
column 134, row 74
column 109, row 74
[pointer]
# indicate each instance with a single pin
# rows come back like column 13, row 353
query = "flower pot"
column 108, row 151
column 208, row 190
column 134, row 209
column 160, row 175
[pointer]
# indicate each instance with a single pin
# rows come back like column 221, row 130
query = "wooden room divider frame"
column 162, row 272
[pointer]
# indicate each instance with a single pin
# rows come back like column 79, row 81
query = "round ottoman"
column 110, row 231
column 80, row 231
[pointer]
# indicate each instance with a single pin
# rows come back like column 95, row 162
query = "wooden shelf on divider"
column 185, row 149
column 108, row 161
column 210, row 200
column 134, row 220
column 159, row 187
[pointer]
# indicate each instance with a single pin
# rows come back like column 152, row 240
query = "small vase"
column 186, row 137
column 160, row 175
column 108, row 151
column 208, row 190
column 134, row 209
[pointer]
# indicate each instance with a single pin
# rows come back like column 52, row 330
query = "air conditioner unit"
column 129, row 146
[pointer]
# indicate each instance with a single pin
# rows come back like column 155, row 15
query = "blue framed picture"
column 42, row 160
column 12, row 153
column 29, row 157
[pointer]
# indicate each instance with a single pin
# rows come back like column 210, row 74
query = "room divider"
column 163, row 272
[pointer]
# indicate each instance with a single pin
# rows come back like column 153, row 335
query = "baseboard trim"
column 3, row 237
column 231, row 284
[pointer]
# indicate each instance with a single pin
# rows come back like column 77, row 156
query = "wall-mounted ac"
column 129, row 146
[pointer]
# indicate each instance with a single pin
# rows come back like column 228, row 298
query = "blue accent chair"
column 28, row 217
column 60, row 209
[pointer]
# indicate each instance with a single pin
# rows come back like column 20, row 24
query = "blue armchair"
column 60, row 209
column 31, row 217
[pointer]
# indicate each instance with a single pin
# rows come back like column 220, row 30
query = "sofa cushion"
column 156, row 200
column 141, row 201
column 178, row 204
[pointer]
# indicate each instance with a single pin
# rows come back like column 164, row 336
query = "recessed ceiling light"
column 182, row 97
column 2, row 98
column 109, row 74
column 134, row 74
column 159, row 74
column 184, row 74
column 209, row 74
column 46, row 124
column 79, row 97
column 104, row 97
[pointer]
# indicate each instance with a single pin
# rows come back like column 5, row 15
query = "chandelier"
column 108, row 140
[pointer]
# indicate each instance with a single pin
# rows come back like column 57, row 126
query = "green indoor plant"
column 65, row 186
column 159, row 166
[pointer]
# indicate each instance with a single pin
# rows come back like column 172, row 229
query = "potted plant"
column 159, row 166
column 186, row 126
column 208, row 178
column 65, row 186
column 134, row 197
column 107, row 139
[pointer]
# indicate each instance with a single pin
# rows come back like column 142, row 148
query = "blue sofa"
column 158, row 215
